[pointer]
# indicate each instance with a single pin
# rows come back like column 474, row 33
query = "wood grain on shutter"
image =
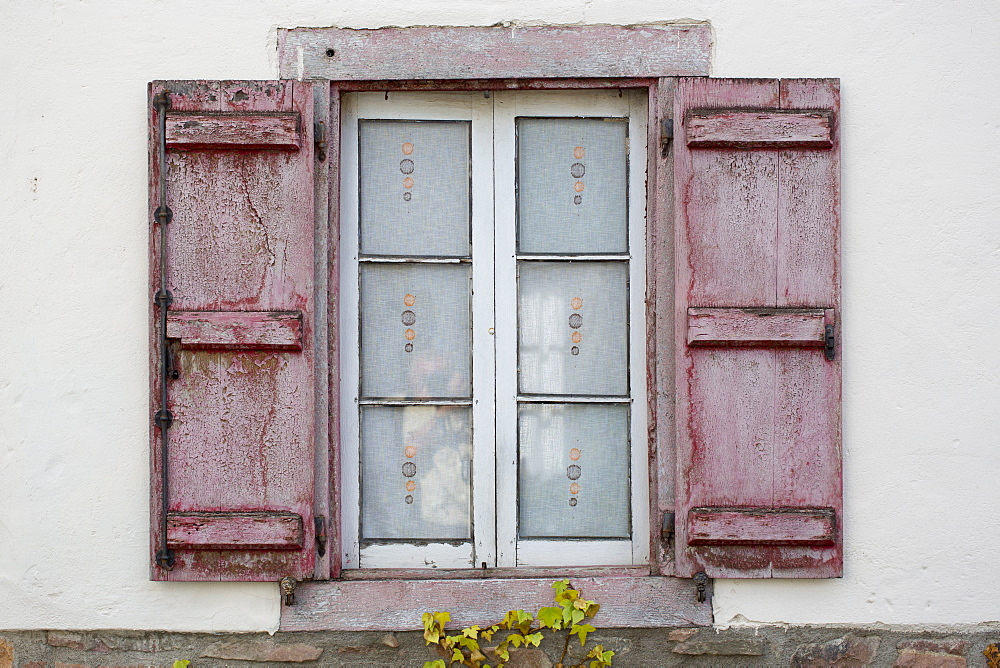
column 757, row 326
column 240, row 266
column 236, row 330
column 760, row 129
column 755, row 526
column 757, row 275
column 237, row 131
column 235, row 531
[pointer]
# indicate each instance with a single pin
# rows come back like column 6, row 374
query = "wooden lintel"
column 760, row 129
column 186, row 131
column 495, row 52
column 236, row 330
column 761, row 526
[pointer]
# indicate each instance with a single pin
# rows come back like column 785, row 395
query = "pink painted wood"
column 760, row 129
column 236, row 330
column 241, row 244
column 757, row 326
column 759, row 424
column 244, row 131
column 754, row 526
column 396, row 605
column 495, row 52
column 234, row 531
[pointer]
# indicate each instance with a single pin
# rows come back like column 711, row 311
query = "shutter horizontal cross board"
column 240, row 269
column 757, row 178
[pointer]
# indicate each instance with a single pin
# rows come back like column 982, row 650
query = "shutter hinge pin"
column 287, row 586
column 830, row 343
column 163, row 298
column 319, row 133
column 666, row 133
column 165, row 559
column 667, row 527
column 666, row 130
column 320, row 522
column 701, row 582
column 163, row 215
column 163, row 419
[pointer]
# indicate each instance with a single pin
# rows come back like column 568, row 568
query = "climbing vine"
column 517, row 629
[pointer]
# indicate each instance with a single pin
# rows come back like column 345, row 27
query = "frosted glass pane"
column 415, row 472
column 573, row 328
column 572, row 194
column 574, row 471
column 415, row 187
column 415, row 331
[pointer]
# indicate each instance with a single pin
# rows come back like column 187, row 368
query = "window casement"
column 284, row 395
column 485, row 440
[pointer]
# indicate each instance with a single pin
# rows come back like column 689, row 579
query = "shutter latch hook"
column 287, row 585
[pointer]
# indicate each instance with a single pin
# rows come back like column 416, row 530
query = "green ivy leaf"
column 550, row 617
column 516, row 639
column 471, row 632
column 181, row 663
column 457, row 655
column 560, row 586
column 436, row 663
column 582, row 630
column 533, row 639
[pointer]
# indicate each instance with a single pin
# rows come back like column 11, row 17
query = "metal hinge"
column 320, row 522
column 667, row 527
column 319, row 134
column 666, row 132
column 830, row 344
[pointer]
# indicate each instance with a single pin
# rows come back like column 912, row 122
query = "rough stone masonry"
column 950, row 646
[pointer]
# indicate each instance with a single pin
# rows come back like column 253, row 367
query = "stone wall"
column 766, row 645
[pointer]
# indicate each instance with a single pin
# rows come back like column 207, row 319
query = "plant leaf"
column 436, row 663
column 582, row 630
column 551, row 617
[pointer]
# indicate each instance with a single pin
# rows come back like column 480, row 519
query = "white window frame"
column 495, row 543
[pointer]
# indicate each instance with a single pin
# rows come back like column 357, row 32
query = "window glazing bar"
column 621, row 257
column 386, row 259
column 415, row 402
column 554, row 399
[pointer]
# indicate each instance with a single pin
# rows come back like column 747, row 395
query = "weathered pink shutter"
column 239, row 268
column 757, row 176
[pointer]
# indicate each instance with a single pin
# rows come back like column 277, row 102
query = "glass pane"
column 415, row 331
column 573, row 328
column 415, row 466
column 415, row 187
column 573, row 476
column 572, row 191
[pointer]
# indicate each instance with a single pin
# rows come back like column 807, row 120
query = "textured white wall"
column 921, row 210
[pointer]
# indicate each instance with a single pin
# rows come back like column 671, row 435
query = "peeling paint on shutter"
column 757, row 183
column 240, row 331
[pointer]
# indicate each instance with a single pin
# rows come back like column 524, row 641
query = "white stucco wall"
column 921, row 211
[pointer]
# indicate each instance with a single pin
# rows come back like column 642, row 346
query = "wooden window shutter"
column 757, row 179
column 239, row 330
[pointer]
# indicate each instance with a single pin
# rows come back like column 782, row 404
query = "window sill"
column 627, row 601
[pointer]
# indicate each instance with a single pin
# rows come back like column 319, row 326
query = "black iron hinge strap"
column 163, row 418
